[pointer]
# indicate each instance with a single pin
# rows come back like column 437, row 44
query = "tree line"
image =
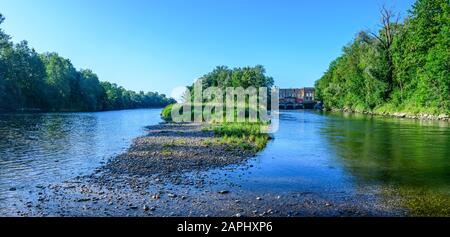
column 404, row 67
column 224, row 77
column 48, row 82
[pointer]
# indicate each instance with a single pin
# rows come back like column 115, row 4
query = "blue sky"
column 160, row 45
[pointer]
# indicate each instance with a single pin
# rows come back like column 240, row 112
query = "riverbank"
column 383, row 113
column 66, row 111
column 178, row 170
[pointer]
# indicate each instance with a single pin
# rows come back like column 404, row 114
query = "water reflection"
column 391, row 151
column 335, row 154
column 324, row 153
column 409, row 161
column 36, row 149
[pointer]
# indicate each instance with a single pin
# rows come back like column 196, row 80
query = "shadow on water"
column 406, row 158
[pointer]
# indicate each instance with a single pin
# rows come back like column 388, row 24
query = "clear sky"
column 159, row 45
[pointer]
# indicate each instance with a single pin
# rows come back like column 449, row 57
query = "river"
column 313, row 152
column 41, row 148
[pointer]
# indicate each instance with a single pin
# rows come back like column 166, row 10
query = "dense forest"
column 402, row 68
column 48, row 82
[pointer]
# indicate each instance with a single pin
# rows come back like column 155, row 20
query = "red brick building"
column 297, row 95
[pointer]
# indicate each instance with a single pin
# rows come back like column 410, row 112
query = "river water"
column 312, row 152
column 38, row 149
column 351, row 155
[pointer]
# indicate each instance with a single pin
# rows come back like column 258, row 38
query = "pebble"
column 156, row 196
column 171, row 195
column 83, row 200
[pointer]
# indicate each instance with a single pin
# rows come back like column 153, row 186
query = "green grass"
column 166, row 149
column 409, row 109
column 244, row 136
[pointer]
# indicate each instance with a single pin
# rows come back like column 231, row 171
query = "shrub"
column 166, row 113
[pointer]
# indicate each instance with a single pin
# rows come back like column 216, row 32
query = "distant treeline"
column 402, row 68
column 48, row 82
column 223, row 77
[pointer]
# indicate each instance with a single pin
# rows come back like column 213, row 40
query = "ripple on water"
column 46, row 147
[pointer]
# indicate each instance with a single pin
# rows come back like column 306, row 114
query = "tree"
column 404, row 67
column 92, row 92
column 23, row 76
column 389, row 30
column 61, row 76
column 7, row 100
column 51, row 83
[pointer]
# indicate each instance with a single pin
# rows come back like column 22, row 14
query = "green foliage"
column 48, row 82
column 224, row 77
column 410, row 74
column 119, row 98
column 92, row 92
column 61, row 75
column 238, row 129
column 166, row 113
column 245, row 136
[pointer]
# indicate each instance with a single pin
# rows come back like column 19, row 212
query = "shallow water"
column 335, row 150
column 350, row 155
column 336, row 155
column 38, row 149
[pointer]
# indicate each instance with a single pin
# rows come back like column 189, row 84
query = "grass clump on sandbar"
column 245, row 136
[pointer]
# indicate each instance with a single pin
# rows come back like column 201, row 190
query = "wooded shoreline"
column 429, row 117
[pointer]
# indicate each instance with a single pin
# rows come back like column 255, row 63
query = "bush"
column 166, row 113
